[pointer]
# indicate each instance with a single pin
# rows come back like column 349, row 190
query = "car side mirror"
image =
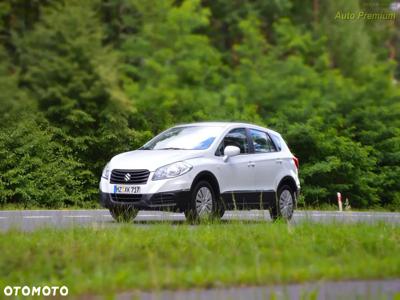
column 230, row 151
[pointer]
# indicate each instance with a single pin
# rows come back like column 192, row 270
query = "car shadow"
column 184, row 222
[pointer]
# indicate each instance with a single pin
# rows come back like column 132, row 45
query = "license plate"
column 126, row 189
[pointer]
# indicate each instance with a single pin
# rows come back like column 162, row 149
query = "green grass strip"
column 157, row 256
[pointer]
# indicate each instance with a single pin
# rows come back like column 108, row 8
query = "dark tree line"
column 83, row 80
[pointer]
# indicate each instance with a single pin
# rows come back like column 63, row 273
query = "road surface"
column 346, row 290
column 28, row 220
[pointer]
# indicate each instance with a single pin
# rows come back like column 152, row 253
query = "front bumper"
column 169, row 194
column 171, row 201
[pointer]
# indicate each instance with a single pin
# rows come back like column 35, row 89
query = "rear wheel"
column 203, row 203
column 123, row 214
column 284, row 205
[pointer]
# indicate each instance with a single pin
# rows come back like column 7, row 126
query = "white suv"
column 203, row 169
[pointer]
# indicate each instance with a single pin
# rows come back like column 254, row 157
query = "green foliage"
column 170, row 69
column 349, row 41
column 84, row 80
column 38, row 170
column 72, row 77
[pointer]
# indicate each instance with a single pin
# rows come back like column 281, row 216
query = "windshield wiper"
column 171, row 148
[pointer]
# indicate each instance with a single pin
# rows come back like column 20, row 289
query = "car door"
column 237, row 174
column 267, row 165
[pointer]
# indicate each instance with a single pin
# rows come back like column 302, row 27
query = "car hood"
column 151, row 159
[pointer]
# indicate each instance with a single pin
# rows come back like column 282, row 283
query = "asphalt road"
column 346, row 290
column 28, row 220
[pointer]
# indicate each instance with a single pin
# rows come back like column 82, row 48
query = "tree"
column 349, row 43
column 84, row 80
column 172, row 72
column 71, row 75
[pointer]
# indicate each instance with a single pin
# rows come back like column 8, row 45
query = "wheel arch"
column 210, row 178
column 288, row 180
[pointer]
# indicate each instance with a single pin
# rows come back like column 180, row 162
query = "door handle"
column 279, row 161
column 251, row 164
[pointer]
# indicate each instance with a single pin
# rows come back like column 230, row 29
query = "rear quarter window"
column 277, row 141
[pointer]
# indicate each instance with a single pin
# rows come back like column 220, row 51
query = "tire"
column 203, row 204
column 123, row 214
column 284, row 205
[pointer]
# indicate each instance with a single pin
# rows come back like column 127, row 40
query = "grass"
column 158, row 256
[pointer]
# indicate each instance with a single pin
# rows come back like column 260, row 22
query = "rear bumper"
column 171, row 201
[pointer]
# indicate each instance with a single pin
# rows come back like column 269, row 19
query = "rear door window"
column 262, row 143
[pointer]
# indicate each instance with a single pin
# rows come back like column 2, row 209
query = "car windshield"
column 184, row 138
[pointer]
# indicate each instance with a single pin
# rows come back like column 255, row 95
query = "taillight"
column 296, row 161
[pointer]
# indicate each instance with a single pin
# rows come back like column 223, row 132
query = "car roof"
column 228, row 125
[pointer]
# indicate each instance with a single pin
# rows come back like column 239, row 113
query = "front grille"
column 126, row 197
column 129, row 176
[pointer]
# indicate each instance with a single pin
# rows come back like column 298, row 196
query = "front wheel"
column 123, row 214
column 284, row 205
column 203, row 203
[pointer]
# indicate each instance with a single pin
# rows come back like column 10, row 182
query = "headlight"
column 172, row 170
column 106, row 171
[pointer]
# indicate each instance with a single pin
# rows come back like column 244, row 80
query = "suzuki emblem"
column 127, row 177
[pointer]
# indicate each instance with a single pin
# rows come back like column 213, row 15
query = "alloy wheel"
column 286, row 204
column 204, row 201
